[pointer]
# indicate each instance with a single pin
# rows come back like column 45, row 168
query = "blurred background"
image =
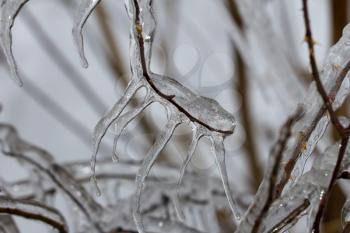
column 198, row 43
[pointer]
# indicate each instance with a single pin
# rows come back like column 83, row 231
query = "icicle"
column 146, row 166
column 102, row 126
column 219, row 151
column 122, row 122
column 195, row 138
column 34, row 210
column 8, row 12
column 84, row 11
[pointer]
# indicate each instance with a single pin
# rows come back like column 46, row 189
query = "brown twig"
column 344, row 133
column 316, row 75
column 25, row 208
column 170, row 98
column 276, row 158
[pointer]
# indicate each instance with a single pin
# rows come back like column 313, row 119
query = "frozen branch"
column 35, row 211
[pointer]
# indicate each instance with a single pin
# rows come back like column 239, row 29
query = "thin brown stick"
column 271, row 174
column 33, row 210
column 170, row 98
column 316, row 75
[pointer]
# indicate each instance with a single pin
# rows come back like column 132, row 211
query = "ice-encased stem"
column 84, row 10
column 309, row 191
column 123, row 121
column 195, row 138
column 8, row 12
column 12, row 145
column 219, row 152
column 35, row 211
column 146, row 166
column 103, row 124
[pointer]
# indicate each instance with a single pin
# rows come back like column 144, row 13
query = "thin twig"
column 170, row 98
column 316, row 75
column 276, row 158
column 25, row 209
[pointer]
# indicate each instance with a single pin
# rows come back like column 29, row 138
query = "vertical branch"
column 316, row 76
column 249, row 144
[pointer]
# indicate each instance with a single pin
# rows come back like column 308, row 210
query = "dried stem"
column 316, row 76
column 274, row 167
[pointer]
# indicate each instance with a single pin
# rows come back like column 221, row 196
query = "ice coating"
column 12, row 145
column 308, row 192
column 195, row 138
column 122, row 122
column 106, row 121
column 206, row 110
column 35, row 211
column 219, row 151
column 147, row 164
column 183, row 106
column 84, row 10
column 8, row 12
column 311, row 127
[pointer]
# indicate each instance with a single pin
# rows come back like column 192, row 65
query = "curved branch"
column 33, row 210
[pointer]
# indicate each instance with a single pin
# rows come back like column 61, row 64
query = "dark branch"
column 316, row 75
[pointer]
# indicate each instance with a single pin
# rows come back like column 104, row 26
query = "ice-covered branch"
column 268, row 188
column 311, row 127
column 40, row 159
column 182, row 105
column 35, row 211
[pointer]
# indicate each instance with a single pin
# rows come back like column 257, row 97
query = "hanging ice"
column 8, row 12
column 84, row 10
column 183, row 106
